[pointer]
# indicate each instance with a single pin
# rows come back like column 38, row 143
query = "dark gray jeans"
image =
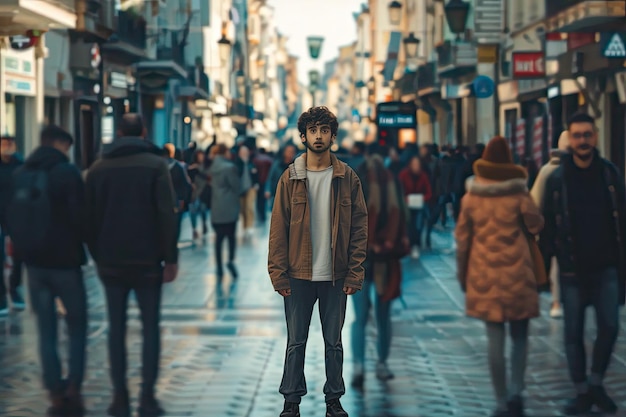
column 601, row 290
column 67, row 284
column 298, row 312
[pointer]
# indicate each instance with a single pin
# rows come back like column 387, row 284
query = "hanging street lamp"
column 315, row 45
column 395, row 12
column 456, row 15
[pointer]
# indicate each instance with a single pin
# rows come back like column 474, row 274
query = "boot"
column 149, row 406
column 120, row 407
column 334, row 409
column 57, row 405
column 74, row 401
column 290, row 410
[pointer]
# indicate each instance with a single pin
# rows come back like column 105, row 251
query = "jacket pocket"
column 298, row 209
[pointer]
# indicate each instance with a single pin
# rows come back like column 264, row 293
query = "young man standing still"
column 318, row 242
column 585, row 214
column 132, row 234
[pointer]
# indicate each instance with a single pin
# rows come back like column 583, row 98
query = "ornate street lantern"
column 411, row 43
column 395, row 12
column 315, row 46
column 224, row 48
column 314, row 77
column 456, row 15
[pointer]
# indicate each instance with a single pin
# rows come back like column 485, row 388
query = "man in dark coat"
column 585, row 228
column 132, row 234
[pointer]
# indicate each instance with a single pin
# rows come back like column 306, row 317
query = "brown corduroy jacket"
column 290, row 248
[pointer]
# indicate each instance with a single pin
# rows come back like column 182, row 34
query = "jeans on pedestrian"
column 362, row 304
column 496, row 335
column 298, row 312
column 224, row 231
column 601, row 290
column 417, row 220
column 67, row 284
column 15, row 276
column 198, row 208
column 147, row 288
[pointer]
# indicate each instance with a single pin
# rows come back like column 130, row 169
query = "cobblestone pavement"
column 223, row 348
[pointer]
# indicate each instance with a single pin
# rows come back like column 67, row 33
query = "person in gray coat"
column 225, row 208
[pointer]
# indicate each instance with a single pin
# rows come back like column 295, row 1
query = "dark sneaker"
column 120, row 407
column 516, row 407
column 149, row 407
column 290, row 410
column 580, row 405
column 602, row 400
column 17, row 301
column 334, row 409
column 57, row 406
column 74, row 401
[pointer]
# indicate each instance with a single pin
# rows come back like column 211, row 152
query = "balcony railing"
column 131, row 29
column 456, row 59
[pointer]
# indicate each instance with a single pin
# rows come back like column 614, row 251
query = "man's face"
column 7, row 148
column 416, row 166
column 318, row 138
column 583, row 139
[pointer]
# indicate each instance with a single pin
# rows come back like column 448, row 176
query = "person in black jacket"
column 55, row 271
column 9, row 162
column 132, row 235
column 585, row 228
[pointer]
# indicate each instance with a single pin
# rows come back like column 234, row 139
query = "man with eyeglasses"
column 585, row 228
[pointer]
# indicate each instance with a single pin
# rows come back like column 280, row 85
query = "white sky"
column 331, row 19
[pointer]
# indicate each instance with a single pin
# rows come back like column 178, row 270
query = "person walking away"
column 132, row 235
column 418, row 194
column 225, row 206
column 498, row 216
column 285, row 158
column 263, row 164
column 537, row 193
column 463, row 173
column 9, row 162
column 387, row 244
column 182, row 184
column 585, row 211
column 47, row 227
column 317, row 246
column 249, row 189
column 199, row 176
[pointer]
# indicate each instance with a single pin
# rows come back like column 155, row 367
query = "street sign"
column 21, row 42
column 484, row 87
column 529, row 65
column 614, row 45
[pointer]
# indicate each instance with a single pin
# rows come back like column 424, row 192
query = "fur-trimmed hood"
column 487, row 188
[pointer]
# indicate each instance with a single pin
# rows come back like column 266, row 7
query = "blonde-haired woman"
column 537, row 194
column 495, row 267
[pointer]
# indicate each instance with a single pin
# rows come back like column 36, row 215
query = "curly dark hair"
column 318, row 116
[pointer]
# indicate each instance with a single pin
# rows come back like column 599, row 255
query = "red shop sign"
column 528, row 65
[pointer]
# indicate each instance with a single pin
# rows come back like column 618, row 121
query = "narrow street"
column 223, row 348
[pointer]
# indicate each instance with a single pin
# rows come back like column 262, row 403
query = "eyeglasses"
column 582, row 135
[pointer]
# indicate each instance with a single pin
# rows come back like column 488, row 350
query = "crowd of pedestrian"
column 340, row 226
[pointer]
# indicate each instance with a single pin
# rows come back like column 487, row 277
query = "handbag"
column 537, row 258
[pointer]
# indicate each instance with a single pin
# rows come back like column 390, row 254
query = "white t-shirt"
column 319, row 184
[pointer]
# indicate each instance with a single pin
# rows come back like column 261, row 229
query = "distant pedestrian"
column 249, row 188
column 495, row 266
column 132, row 235
column 198, row 173
column 538, row 193
column 317, row 246
column 387, row 244
column 225, row 206
column 585, row 210
column 418, row 194
column 49, row 233
column 263, row 163
column 9, row 162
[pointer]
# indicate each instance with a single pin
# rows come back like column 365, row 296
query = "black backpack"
column 29, row 210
